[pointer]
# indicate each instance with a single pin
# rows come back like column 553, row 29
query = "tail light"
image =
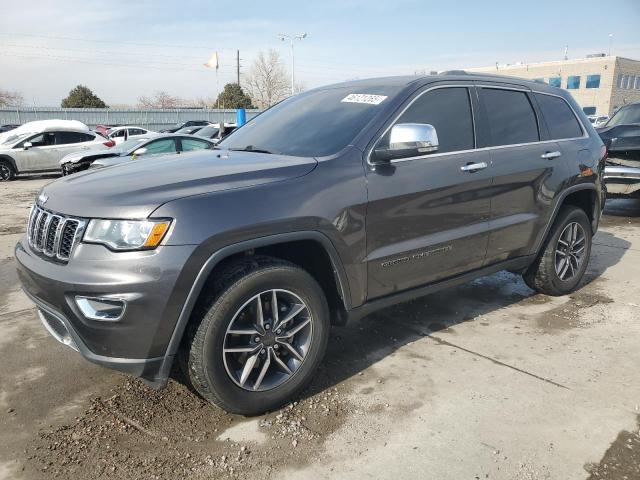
column 109, row 143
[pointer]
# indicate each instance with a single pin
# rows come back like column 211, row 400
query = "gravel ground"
column 486, row 380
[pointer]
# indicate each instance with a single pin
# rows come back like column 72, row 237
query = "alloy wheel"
column 570, row 251
column 267, row 340
column 5, row 172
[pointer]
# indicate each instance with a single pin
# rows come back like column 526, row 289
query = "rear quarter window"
column 560, row 119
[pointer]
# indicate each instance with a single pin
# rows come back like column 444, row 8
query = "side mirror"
column 27, row 145
column 408, row 140
column 140, row 151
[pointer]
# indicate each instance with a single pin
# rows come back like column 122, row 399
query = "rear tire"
column 239, row 382
column 565, row 256
column 7, row 172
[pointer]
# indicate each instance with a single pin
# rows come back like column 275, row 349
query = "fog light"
column 101, row 309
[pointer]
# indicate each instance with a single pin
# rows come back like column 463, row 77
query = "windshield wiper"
column 251, row 148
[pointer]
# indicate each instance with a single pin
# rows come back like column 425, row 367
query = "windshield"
column 128, row 145
column 208, row 132
column 625, row 115
column 16, row 137
column 312, row 124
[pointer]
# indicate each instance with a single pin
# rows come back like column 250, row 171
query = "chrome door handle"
column 550, row 155
column 472, row 167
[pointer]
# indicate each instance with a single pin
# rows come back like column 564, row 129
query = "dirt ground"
column 486, row 380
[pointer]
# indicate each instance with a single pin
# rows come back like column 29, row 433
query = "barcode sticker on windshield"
column 364, row 98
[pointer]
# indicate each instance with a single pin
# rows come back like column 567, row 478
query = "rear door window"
column 449, row 111
column 65, row 138
column 511, row 117
column 560, row 119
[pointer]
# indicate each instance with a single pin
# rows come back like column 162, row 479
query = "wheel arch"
column 264, row 245
column 584, row 196
column 11, row 162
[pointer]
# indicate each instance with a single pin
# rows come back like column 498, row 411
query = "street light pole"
column 610, row 42
column 291, row 39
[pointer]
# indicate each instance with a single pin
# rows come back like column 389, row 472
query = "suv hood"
column 136, row 189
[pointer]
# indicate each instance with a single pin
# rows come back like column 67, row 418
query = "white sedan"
column 122, row 134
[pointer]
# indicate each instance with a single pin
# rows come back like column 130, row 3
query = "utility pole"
column 610, row 42
column 291, row 39
column 238, row 67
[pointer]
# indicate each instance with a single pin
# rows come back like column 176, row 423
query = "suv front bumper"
column 137, row 342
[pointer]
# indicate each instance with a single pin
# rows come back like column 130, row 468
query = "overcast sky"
column 124, row 49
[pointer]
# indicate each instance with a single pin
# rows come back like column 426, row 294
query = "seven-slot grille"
column 52, row 234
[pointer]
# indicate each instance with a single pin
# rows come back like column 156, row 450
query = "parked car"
column 38, row 147
column 213, row 131
column 328, row 206
column 104, row 129
column 155, row 147
column 188, row 123
column 79, row 161
column 621, row 135
column 189, row 130
column 598, row 120
column 122, row 134
column 6, row 128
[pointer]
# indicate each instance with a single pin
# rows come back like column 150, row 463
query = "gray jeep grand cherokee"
column 329, row 205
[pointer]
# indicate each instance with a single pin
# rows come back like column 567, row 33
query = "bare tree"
column 11, row 99
column 160, row 99
column 267, row 82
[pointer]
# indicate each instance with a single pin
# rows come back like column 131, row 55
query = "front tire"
column 561, row 265
column 248, row 357
column 7, row 171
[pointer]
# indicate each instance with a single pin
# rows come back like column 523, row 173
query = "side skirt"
column 515, row 264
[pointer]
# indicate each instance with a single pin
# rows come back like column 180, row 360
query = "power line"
column 117, row 42
column 115, row 64
column 101, row 52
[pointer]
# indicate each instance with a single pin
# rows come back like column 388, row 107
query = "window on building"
column 573, row 82
column 637, row 87
column 589, row 110
column 593, row 81
column 555, row 81
column 559, row 117
column 511, row 117
column 619, row 82
column 625, row 81
column 632, row 81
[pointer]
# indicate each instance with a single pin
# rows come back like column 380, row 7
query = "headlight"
column 127, row 234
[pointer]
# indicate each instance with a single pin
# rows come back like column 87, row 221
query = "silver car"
column 39, row 151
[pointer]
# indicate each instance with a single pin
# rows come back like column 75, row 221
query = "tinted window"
column 589, row 111
column 314, row 123
column 511, row 117
column 136, row 131
column 555, row 81
column 166, row 145
column 119, row 133
column 593, row 81
column 65, row 138
column 208, row 132
column 626, row 115
column 561, row 121
column 189, row 144
column 449, row 111
column 573, row 82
